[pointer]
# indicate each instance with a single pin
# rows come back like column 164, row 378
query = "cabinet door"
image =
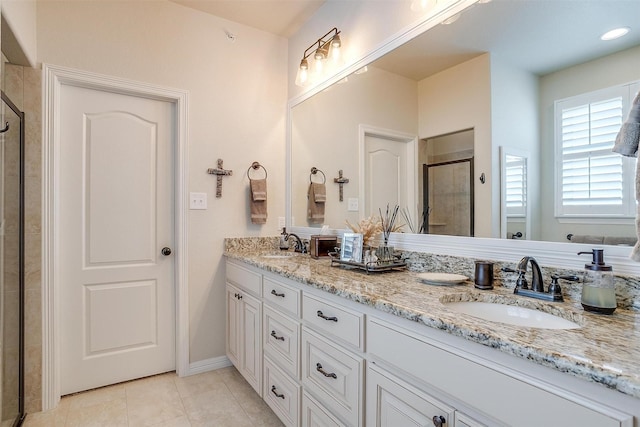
column 316, row 415
column 392, row 403
column 251, row 338
column 233, row 325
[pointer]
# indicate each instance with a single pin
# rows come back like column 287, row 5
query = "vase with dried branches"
column 388, row 221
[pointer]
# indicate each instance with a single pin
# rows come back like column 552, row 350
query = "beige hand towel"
column 627, row 142
column 258, row 200
column 316, row 198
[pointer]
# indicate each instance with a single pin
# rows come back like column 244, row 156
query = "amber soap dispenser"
column 598, row 292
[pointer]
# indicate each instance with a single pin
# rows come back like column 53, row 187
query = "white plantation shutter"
column 593, row 180
column 515, row 185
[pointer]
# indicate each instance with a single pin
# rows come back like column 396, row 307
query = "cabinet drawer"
column 315, row 415
column 281, row 394
column 281, row 340
column 246, row 279
column 509, row 400
column 282, row 296
column 334, row 376
column 335, row 320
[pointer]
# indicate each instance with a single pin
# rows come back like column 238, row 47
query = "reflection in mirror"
column 499, row 69
column 515, row 210
column 447, row 183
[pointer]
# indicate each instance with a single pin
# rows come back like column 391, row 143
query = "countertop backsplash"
column 627, row 287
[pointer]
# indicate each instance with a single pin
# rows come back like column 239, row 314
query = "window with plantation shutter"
column 593, row 181
column 515, row 185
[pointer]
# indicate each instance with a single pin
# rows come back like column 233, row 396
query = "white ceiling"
column 540, row 36
column 281, row 17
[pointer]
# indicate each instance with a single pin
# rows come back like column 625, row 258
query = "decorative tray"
column 370, row 267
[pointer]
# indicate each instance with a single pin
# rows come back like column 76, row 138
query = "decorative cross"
column 341, row 181
column 219, row 172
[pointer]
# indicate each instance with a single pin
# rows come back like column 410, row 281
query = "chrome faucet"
column 300, row 246
column 554, row 293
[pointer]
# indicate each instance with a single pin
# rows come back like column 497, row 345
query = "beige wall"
column 325, row 135
column 449, row 102
column 237, row 105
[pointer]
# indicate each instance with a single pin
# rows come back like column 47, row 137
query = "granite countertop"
column 605, row 350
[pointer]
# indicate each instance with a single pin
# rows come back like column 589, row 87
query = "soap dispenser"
column 284, row 244
column 598, row 292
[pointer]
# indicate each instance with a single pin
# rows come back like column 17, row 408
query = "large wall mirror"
column 496, row 72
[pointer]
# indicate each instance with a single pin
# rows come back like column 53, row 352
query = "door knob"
column 166, row 251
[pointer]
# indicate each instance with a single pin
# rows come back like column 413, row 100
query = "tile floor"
column 220, row 398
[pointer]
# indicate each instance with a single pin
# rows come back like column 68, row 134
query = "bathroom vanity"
column 328, row 346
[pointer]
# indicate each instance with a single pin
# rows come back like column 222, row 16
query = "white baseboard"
column 208, row 365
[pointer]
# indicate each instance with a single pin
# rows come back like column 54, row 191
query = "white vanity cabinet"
column 321, row 360
column 504, row 396
column 244, row 323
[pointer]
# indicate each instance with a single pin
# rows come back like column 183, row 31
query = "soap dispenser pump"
column 598, row 292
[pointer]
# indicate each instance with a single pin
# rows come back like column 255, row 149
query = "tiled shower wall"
column 23, row 85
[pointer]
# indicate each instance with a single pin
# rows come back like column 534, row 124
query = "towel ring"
column 256, row 166
column 315, row 170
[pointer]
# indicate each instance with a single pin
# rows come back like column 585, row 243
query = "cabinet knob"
column 439, row 420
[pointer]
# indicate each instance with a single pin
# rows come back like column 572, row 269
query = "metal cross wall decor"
column 341, row 181
column 219, row 172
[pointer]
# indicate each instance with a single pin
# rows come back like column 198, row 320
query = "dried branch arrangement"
column 368, row 227
column 389, row 222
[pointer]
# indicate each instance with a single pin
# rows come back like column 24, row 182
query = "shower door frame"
column 425, row 193
column 21, row 260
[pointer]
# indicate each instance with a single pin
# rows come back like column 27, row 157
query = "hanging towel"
column 316, row 198
column 258, row 200
column 627, row 142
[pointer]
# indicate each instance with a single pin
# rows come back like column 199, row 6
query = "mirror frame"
column 556, row 254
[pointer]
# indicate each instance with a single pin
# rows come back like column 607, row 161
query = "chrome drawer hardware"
column 273, row 292
column 273, row 334
column 325, row 373
column 333, row 319
column 438, row 420
column 273, row 390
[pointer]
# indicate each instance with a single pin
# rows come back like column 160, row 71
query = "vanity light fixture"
column 325, row 48
column 615, row 33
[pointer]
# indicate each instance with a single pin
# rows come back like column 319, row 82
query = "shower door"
column 11, row 264
column 448, row 198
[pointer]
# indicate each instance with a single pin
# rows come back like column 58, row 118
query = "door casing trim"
column 54, row 77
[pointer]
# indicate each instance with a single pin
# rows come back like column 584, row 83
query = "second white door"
column 115, row 216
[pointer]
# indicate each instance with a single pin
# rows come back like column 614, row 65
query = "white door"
column 115, row 215
column 388, row 173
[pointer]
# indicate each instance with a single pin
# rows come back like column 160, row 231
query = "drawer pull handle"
column 273, row 334
column 273, row 292
column 439, row 420
column 333, row 319
column 325, row 373
column 273, row 390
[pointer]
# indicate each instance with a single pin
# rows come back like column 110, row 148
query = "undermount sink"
column 511, row 314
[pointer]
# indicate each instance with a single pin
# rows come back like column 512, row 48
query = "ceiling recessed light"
column 451, row 19
column 615, row 33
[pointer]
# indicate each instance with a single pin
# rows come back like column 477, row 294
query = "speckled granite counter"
column 605, row 350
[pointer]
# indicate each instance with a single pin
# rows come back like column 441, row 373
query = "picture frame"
column 351, row 248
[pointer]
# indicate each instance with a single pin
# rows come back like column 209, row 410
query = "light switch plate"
column 197, row 200
column 352, row 204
